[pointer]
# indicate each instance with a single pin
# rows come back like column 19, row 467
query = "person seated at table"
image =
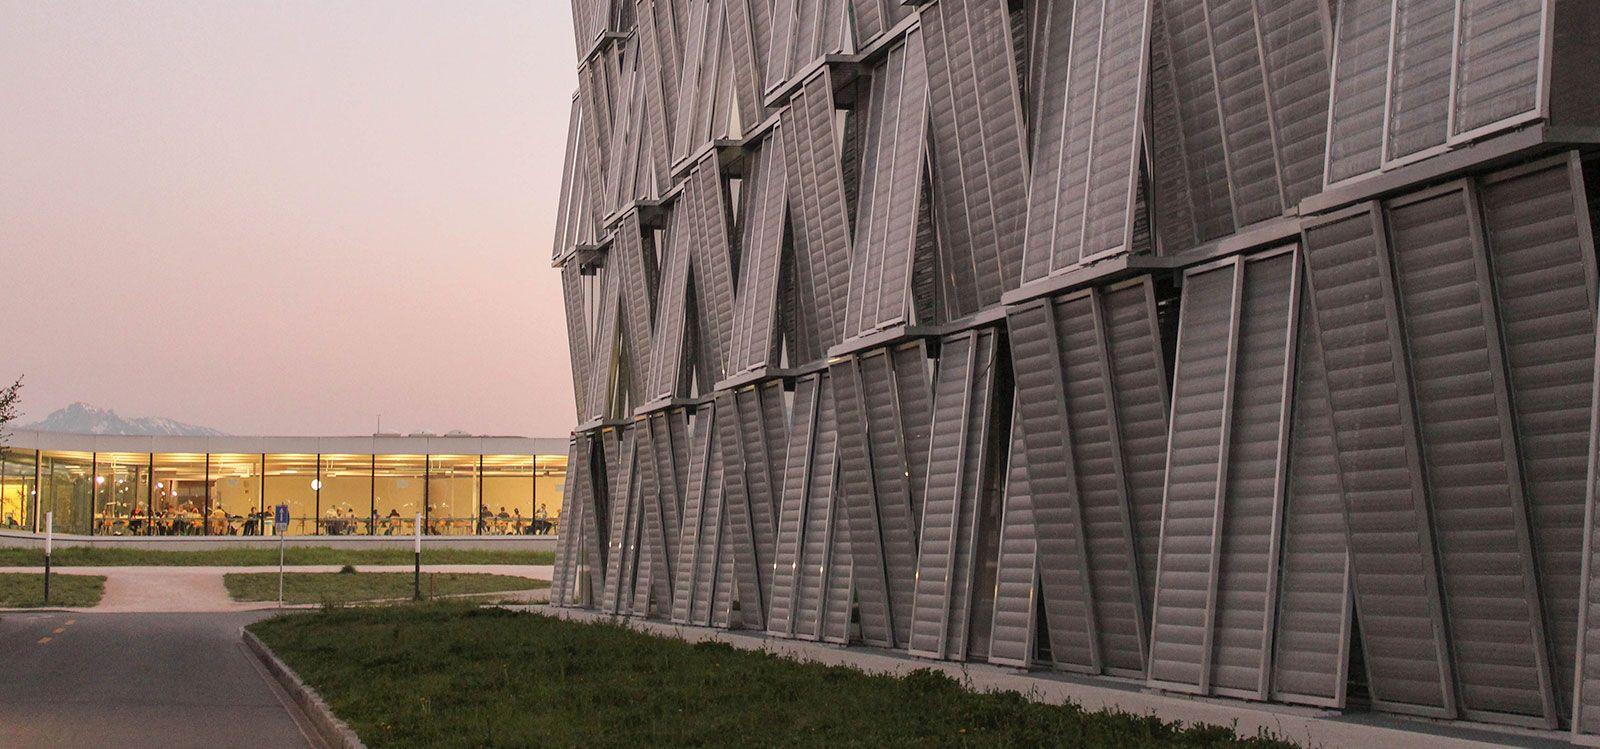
column 136, row 520
column 516, row 521
column 485, row 519
column 391, row 522
column 541, row 520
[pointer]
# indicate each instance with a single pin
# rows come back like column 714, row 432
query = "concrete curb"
column 334, row 732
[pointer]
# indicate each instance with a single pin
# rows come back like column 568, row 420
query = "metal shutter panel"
column 1419, row 85
column 858, row 502
column 1012, row 632
column 1312, row 637
column 1360, row 71
column 1499, row 47
column 792, row 510
column 1186, row 573
column 1295, row 52
column 623, row 521
column 1391, row 546
column 1480, row 521
column 1543, row 264
column 891, row 476
column 1247, row 122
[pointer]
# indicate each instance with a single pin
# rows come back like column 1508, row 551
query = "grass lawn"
column 84, row 556
column 348, row 587
column 453, row 675
column 26, row 589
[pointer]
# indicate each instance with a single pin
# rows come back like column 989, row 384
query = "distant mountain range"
column 82, row 418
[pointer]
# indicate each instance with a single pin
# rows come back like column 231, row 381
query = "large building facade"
column 1239, row 348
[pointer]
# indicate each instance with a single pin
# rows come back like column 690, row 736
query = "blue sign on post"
column 280, row 518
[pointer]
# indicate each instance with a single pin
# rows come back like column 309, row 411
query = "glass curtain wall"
column 291, row 480
column 236, row 504
column 347, row 494
column 549, row 485
column 399, row 490
column 18, row 488
column 121, row 493
column 507, row 495
column 66, row 480
column 453, row 495
column 178, row 501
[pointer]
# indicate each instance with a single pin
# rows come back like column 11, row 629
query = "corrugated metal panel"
column 826, row 565
column 739, row 507
column 1475, row 492
column 964, row 392
column 1118, row 122
column 1195, row 90
column 748, row 35
column 1094, row 447
column 1391, row 545
column 890, row 428
column 1252, row 512
column 1499, row 46
column 1180, row 638
column 1139, row 377
column 1543, row 266
column 1360, row 73
column 1171, row 188
column 914, row 399
column 567, row 200
column 1419, row 86
column 561, row 575
column 1311, row 639
column 792, row 511
column 650, row 558
column 1068, row 598
column 820, row 226
column 977, row 150
column 713, row 263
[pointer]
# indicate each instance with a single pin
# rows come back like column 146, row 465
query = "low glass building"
column 103, row 485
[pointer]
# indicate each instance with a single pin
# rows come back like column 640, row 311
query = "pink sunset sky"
column 286, row 217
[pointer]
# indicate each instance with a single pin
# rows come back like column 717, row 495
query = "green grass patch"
column 350, row 587
column 87, row 556
column 459, row 676
column 26, row 589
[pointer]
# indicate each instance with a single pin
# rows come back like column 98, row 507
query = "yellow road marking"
column 71, row 622
column 43, row 640
column 58, row 630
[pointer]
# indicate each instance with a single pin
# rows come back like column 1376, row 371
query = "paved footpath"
column 192, row 589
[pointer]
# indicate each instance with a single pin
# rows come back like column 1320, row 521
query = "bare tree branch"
column 10, row 397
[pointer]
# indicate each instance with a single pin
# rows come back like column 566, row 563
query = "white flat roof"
column 26, row 439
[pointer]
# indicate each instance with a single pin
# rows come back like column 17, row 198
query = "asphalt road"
column 133, row 680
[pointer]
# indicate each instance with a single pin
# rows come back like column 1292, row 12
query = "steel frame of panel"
column 1591, row 497
column 786, row 577
column 1541, row 87
column 868, row 558
column 1013, row 499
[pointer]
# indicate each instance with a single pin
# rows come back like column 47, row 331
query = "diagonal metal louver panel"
column 1294, row 38
column 914, row 399
column 821, row 226
column 618, row 591
column 1066, row 587
column 803, row 31
column 568, row 200
column 1541, row 253
column 1171, row 190
column 1419, row 77
column 596, row 92
column 1081, row 203
column 577, row 336
column 738, row 510
column 606, row 347
column 1011, row 638
column 1311, row 639
column 891, row 182
column 704, row 480
column 561, row 571
column 1475, row 489
column 1252, row 498
column 1188, row 139
column 874, row 17
column 898, row 426
column 761, row 482
column 1360, row 69
column 713, row 263
column 1499, row 59
column 859, row 504
column 965, row 390
column 977, row 150
column 761, row 252
column 1391, row 544
column 636, row 262
column 792, row 510
column 656, row 80
column 1181, row 637
column 627, row 124
column 749, row 32
column 653, row 586
column 670, row 360
column 822, row 596
column 1248, row 127
column 589, row 561
column 1139, row 383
